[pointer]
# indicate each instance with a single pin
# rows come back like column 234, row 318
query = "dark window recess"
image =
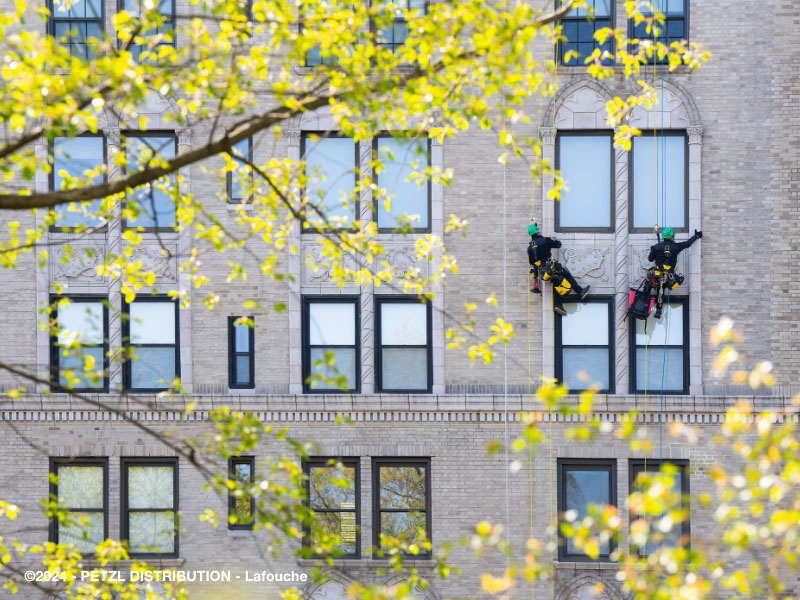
column 331, row 345
column 81, row 336
column 80, row 486
column 680, row 533
column 150, row 331
column 77, row 25
column 165, row 30
column 404, row 361
column 241, row 505
column 240, row 180
column 241, row 354
column 578, row 28
column 333, row 493
column 152, row 206
column 582, row 483
column 660, row 357
column 331, row 166
column 406, row 205
column 674, row 28
column 584, row 345
column 394, row 33
column 150, row 506
column 73, row 159
column 401, row 500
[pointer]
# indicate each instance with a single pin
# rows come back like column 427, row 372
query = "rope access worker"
column 542, row 262
column 665, row 256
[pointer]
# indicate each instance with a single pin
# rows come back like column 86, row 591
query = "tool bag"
column 640, row 302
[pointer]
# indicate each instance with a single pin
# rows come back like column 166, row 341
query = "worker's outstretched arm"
column 697, row 235
column 554, row 243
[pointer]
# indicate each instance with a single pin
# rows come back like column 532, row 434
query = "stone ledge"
column 363, row 563
column 586, row 566
column 153, row 563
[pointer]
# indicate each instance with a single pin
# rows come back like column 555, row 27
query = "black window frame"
column 306, row 354
column 150, row 461
column 637, row 465
column 173, row 22
column 78, row 461
column 304, row 137
column 609, row 133
column 559, row 59
column 559, row 347
column 126, row 334
column 52, row 20
column 587, row 464
column 394, row 46
column 156, row 133
column 376, row 177
column 648, row 134
column 654, row 60
column 230, row 174
column 414, row 461
column 685, row 346
column 55, row 367
column 332, row 60
column 325, row 461
column 233, row 355
column 379, row 346
column 51, row 177
column 250, row 461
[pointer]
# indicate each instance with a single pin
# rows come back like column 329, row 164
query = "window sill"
column 164, row 563
column 588, row 565
column 363, row 562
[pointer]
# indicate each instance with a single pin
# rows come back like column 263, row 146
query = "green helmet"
column 668, row 233
column 533, row 229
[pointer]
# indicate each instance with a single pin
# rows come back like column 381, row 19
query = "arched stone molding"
column 677, row 108
column 585, row 586
column 155, row 108
column 418, row 593
column 580, row 104
column 330, row 585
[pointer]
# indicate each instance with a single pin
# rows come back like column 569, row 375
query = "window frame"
column 232, row 462
column 52, row 20
column 55, row 366
column 156, row 133
column 612, row 18
column 173, row 20
column 229, row 175
column 51, row 177
column 148, row 461
column 376, row 178
column 374, row 30
column 590, row 464
column 649, row 133
column 559, row 346
column 233, row 355
column 637, row 465
column 379, row 346
column 306, row 350
column 609, row 133
column 654, row 59
column 324, row 461
column 685, row 346
column 393, row 461
column 127, row 345
column 80, row 461
column 304, row 135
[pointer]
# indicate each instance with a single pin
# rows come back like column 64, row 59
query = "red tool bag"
column 640, row 302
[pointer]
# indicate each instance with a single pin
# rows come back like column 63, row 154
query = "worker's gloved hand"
column 699, row 234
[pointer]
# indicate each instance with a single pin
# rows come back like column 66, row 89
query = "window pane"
column 672, row 371
column 404, row 323
column 76, row 362
column 330, row 166
column 656, row 538
column 669, row 190
column 400, row 158
column 150, row 486
column 591, row 361
column 74, row 157
column 241, row 474
column 152, row 322
column 330, row 487
column 342, row 524
column 407, row 527
column 582, row 488
column 154, row 368
column 242, row 333
column 585, row 324
column 404, row 369
column 80, row 487
column 601, row 8
column 243, row 369
column 80, row 322
column 151, row 532
column 332, row 323
column 240, row 178
column 585, row 163
column 344, row 364
column 674, row 7
column 402, row 487
column 73, row 533
column 139, row 152
column 669, row 326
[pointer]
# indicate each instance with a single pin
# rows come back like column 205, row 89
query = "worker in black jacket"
column 542, row 262
column 664, row 255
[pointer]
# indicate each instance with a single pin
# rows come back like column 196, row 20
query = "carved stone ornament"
column 77, row 263
column 588, row 261
column 318, row 269
column 402, row 259
column 695, row 134
column 548, row 135
column 330, row 590
column 155, row 260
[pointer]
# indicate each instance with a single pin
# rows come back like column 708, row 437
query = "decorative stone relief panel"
column 79, row 264
column 330, row 590
column 156, row 260
column 669, row 112
column 154, row 109
column 575, row 585
column 323, row 273
column 593, row 263
column 403, row 259
column 583, row 107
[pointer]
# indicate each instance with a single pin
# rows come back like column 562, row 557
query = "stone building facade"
column 739, row 118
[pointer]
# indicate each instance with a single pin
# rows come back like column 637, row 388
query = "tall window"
column 331, row 346
column 150, row 506
column 75, row 24
column 73, row 159
column 331, row 164
column 394, row 34
column 319, row 55
column 150, row 329
column 676, row 514
column 80, row 486
column 582, row 483
column 240, row 180
column 586, row 164
column 165, row 29
column 404, row 345
column 404, row 199
column 665, row 347
column 401, row 500
column 674, row 29
column 152, row 206
column 659, row 181
column 241, row 353
column 579, row 26
column 241, row 505
column 333, row 493
column 584, row 346
column 79, row 346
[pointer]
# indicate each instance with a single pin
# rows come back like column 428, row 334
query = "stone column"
column 437, row 312
column 114, row 248
column 547, row 226
column 367, row 291
column 184, row 250
column 621, row 324
column 294, row 267
column 41, row 185
column 695, row 134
